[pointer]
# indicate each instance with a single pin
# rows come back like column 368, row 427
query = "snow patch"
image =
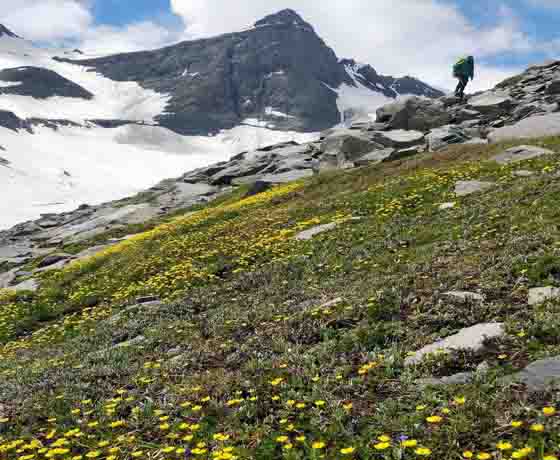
column 357, row 100
column 56, row 171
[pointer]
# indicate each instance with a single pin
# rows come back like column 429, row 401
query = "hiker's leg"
column 459, row 88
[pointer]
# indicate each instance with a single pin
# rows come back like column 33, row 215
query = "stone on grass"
column 7, row 278
column 458, row 379
column 523, row 173
column 465, row 296
column 543, row 294
column 377, row 156
column 399, row 138
column 520, row 153
column 444, row 206
column 52, row 259
column 312, row 232
column 440, row 138
column 464, row 188
column 27, row 285
column 471, row 338
column 540, row 375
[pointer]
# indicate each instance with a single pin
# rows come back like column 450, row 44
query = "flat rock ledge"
column 471, row 338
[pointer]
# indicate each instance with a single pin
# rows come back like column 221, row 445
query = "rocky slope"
column 405, row 309
column 524, row 106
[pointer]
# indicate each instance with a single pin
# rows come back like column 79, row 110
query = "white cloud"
column 133, row 37
column 71, row 22
column 46, row 19
column 418, row 37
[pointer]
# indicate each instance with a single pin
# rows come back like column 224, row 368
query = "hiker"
column 463, row 70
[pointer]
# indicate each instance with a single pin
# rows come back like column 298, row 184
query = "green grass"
column 243, row 355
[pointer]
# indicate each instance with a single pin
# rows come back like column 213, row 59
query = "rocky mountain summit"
column 524, row 106
column 279, row 74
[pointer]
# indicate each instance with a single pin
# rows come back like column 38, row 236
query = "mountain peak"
column 4, row 31
column 287, row 16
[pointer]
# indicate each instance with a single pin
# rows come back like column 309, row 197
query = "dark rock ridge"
column 40, row 83
column 4, row 31
column 387, row 85
column 280, row 66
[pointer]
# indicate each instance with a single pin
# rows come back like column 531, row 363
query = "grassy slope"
column 243, row 361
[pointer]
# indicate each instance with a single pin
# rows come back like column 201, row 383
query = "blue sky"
column 419, row 37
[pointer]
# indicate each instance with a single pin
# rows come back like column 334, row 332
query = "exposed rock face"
column 40, row 83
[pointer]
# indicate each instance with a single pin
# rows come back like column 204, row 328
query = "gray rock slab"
column 312, row 232
column 540, row 375
column 531, row 127
column 376, row 156
column 523, row 173
column 465, row 296
column 398, row 138
column 7, row 278
column 104, row 219
column 462, row 378
column 27, row 285
column 440, row 138
column 543, row 294
column 471, row 338
column 444, row 206
column 491, row 102
column 280, row 178
column 520, row 153
column 464, row 188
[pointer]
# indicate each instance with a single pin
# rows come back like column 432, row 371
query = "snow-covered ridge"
column 50, row 171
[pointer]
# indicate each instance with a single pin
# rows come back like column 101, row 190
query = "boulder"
column 471, row 338
column 531, row 127
column 398, row 138
column 491, row 103
column 541, row 295
column 314, row 231
column 540, row 375
column 440, row 138
column 553, row 87
column 377, row 156
column 414, row 113
column 523, row 173
column 27, row 285
column 458, row 379
column 7, row 278
column 52, row 259
column 464, row 188
column 345, row 146
column 520, row 153
column 259, row 187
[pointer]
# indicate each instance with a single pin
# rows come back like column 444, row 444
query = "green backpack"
column 459, row 67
